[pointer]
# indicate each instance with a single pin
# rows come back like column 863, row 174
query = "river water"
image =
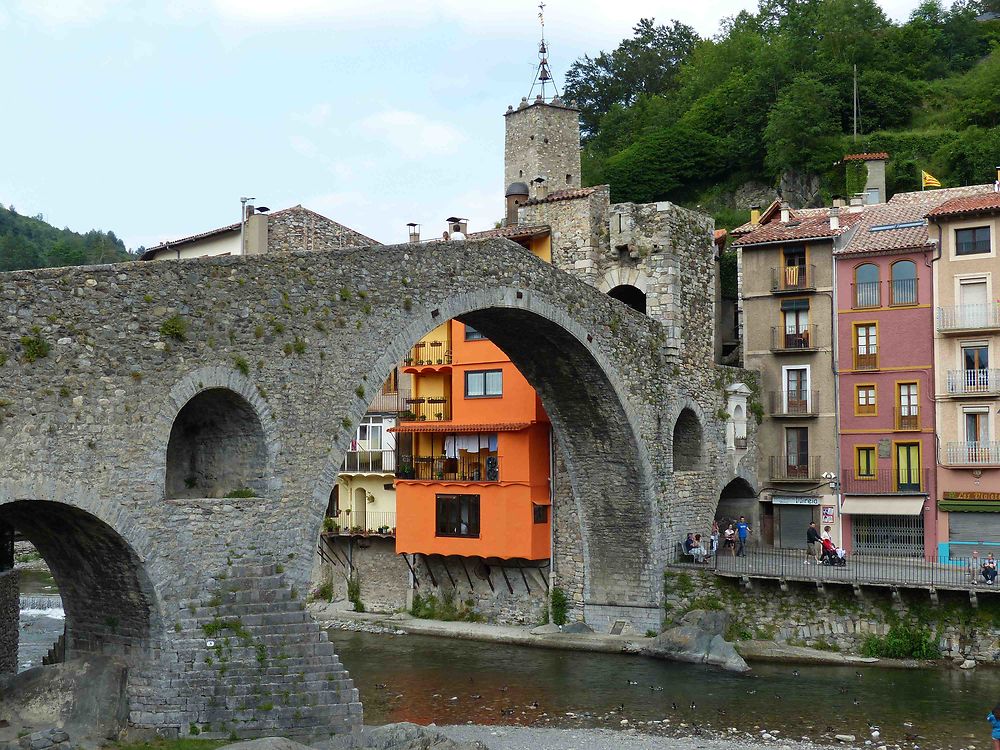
column 42, row 617
column 425, row 679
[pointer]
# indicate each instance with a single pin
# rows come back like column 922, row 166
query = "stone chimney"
column 835, row 217
column 413, row 230
column 786, row 212
column 755, row 214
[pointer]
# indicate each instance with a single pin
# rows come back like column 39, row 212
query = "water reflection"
column 424, row 679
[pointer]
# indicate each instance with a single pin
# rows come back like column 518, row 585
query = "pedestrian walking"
column 729, row 542
column 714, row 537
column 994, row 721
column 813, row 544
column 742, row 534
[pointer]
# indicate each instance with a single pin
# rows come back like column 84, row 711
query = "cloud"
column 315, row 117
column 66, row 12
column 412, row 135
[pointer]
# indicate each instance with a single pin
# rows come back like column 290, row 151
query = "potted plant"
column 422, row 418
column 405, row 471
column 407, row 361
column 439, row 416
column 440, row 361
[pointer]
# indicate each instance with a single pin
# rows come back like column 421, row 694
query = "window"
column 794, row 275
column 866, row 286
column 471, row 334
column 907, row 415
column 903, row 287
column 540, row 513
column 797, row 451
column 483, row 383
column 864, row 404
column 865, row 346
column 865, row 462
column 797, row 390
column 795, row 319
column 975, row 368
column 458, row 515
column 975, row 310
column 977, row 425
column 908, row 467
column 972, row 241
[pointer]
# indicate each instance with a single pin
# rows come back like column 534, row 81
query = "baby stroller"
column 832, row 555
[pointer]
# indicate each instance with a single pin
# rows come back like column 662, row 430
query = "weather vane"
column 543, row 75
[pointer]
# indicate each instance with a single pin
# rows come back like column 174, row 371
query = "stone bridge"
column 134, row 398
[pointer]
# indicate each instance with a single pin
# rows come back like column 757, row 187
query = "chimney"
column 785, row 212
column 835, row 217
column 755, row 214
column 250, row 210
column 996, row 185
column 540, row 189
column 458, row 224
column 413, row 230
column 857, row 202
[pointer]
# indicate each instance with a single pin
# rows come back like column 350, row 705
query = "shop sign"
column 794, row 500
column 972, row 495
column 826, row 513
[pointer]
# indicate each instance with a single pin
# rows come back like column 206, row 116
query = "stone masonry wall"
column 835, row 619
column 301, row 229
column 10, row 613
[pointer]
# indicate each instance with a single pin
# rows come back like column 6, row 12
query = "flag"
column 929, row 180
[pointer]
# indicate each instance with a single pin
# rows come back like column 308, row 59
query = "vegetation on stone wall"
column 446, row 607
column 354, row 593
column 560, row 606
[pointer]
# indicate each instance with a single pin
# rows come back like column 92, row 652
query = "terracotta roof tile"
column 804, row 224
column 887, row 228
column 973, row 204
column 561, row 195
column 515, row 231
column 932, row 198
column 867, row 156
column 449, row 427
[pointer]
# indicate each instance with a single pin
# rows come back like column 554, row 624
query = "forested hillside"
column 670, row 116
column 27, row 242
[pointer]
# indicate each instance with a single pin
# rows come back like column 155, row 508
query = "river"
column 426, row 679
column 42, row 617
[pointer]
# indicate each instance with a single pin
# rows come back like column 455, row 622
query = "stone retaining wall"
column 10, row 613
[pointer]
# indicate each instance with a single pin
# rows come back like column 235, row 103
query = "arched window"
column 687, row 442
column 866, row 286
column 903, row 287
column 631, row 296
column 216, row 447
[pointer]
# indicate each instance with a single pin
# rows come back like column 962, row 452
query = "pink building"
column 885, row 332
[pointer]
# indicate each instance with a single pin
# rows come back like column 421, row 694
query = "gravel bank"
column 533, row 738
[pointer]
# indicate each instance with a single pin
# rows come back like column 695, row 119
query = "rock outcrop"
column 699, row 639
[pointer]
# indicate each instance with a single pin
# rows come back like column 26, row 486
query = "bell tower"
column 542, row 137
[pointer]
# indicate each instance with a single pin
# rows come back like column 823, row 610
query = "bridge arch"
column 593, row 423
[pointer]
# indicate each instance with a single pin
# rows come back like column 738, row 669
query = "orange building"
column 475, row 482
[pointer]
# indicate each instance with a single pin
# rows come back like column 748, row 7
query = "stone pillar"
column 10, row 613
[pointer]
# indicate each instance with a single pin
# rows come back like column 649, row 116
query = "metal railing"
column 363, row 522
column 790, row 469
column 884, row 482
column 801, row 403
column 906, row 417
column 375, row 462
column 429, row 352
column 868, row 359
column 389, row 403
column 866, row 294
column 467, row 468
column 962, row 382
column 431, row 409
column 793, row 278
column 785, row 340
column 972, row 454
column 878, row 569
column 902, row 292
column 968, row 317
column 740, row 443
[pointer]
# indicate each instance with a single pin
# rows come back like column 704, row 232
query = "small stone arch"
column 738, row 498
column 688, row 442
column 631, row 296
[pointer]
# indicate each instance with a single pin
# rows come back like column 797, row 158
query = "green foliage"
column 324, row 592
column 241, row 364
column 175, row 327
column 359, row 391
column 3, row 358
column 27, row 242
column 560, row 606
column 354, row 593
column 242, row 492
column 330, row 524
column 34, row 347
column 903, row 641
column 430, row 607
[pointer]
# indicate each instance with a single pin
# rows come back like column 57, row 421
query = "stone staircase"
column 257, row 663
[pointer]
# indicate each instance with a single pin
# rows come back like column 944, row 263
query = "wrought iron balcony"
column 968, row 317
column 429, row 352
column 793, row 279
column 866, row 294
column 902, row 292
column 802, row 403
column 427, row 409
column 476, row 467
column 362, row 522
column 884, row 481
column 793, row 340
column 973, row 382
column 392, row 402
column 985, row 453
column 794, row 469
column 906, row 418
column 369, row 462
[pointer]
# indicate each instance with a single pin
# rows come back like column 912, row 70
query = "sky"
column 152, row 119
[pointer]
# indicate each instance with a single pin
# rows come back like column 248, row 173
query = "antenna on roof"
column 543, row 76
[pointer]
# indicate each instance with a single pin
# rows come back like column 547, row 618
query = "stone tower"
column 542, row 140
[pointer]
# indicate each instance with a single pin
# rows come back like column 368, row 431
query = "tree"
column 802, row 117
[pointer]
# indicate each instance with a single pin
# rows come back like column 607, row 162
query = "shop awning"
column 970, row 506
column 883, row 506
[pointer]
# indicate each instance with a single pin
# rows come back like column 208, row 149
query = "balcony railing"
column 389, row 403
column 972, row 454
column 429, row 352
column 429, row 409
column 885, row 482
column 968, row 317
column 866, row 294
column 791, row 469
column 973, row 382
column 467, row 468
column 373, row 462
column 792, row 278
column 793, row 340
column 868, row 359
column 740, row 443
column 906, row 417
column 902, row 292
column 800, row 403
column 363, row 522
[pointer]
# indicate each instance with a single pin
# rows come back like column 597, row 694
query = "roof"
column 887, row 228
column 936, row 197
column 973, row 204
column 868, row 156
column 803, row 224
column 513, row 232
column 449, row 427
column 765, row 216
column 561, row 195
column 516, row 188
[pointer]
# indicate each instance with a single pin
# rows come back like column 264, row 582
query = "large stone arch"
column 596, row 429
